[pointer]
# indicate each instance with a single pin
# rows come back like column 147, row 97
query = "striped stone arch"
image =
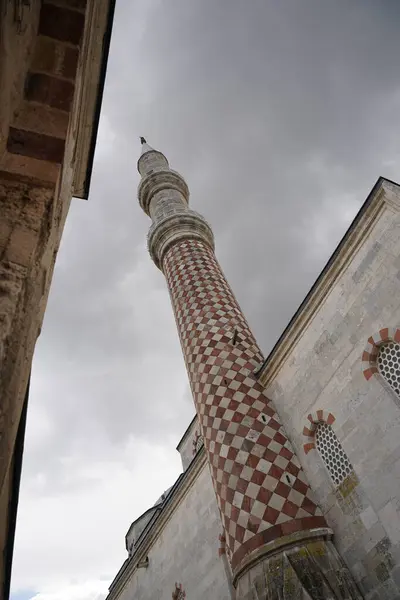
column 369, row 356
column 313, row 419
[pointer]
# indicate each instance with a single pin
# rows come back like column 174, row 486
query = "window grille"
column 332, row 453
column 388, row 363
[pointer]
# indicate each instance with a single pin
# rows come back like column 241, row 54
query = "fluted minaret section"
column 263, row 496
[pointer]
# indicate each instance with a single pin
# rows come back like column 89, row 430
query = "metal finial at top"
column 143, row 140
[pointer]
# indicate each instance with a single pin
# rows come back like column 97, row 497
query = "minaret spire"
column 276, row 534
column 145, row 146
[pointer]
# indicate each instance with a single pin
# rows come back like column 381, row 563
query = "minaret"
column 277, row 538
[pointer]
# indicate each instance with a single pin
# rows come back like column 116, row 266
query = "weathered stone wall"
column 18, row 31
column 51, row 57
column 30, row 231
column 186, row 551
column 324, row 371
column 29, row 238
column 25, row 212
column 36, row 136
column 39, row 53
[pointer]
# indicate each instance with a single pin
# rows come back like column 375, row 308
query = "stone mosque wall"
column 185, row 552
column 329, row 383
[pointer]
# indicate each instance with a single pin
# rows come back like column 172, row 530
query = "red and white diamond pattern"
column 261, row 490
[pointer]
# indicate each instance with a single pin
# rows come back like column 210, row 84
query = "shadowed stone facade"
column 53, row 56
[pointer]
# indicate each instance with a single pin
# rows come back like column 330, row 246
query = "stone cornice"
column 89, row 89
column 385, row 194
column 174, row 228
column 155, row 527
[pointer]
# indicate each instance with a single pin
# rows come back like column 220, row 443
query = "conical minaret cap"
column 145, row 146
column 153, row 159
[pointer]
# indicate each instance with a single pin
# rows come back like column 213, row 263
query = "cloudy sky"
column 281, row 114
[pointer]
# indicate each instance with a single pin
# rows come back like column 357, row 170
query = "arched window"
column 388, row 363
column 332, row 453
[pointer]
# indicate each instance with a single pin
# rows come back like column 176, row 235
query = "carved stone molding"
column 175, row 228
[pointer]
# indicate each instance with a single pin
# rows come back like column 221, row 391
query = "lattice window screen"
column 332, row 453
column 388, row 362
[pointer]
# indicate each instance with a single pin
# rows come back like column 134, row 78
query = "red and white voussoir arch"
column 369, row 356
column 313, row 420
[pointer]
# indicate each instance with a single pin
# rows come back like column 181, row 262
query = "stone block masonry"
column 48, row 89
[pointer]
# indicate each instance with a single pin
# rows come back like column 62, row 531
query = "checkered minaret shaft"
column 261, row 490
